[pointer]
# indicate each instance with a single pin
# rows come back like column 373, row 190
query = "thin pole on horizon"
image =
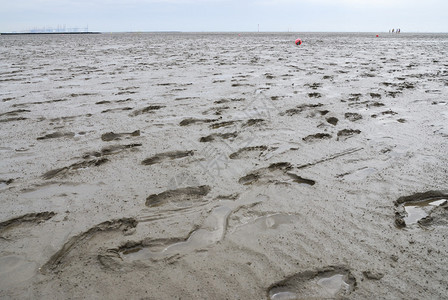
column 258, row 27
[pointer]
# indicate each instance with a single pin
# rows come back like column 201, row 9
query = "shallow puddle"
column 334, row 285
column 418, row 211
column 266, row 222
column 211, row 232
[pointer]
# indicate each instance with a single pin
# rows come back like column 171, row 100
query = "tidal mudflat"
column 224, row 166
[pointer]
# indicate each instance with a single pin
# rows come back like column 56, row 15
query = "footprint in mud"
column 76, row 245
column 190, row 121
column 300, row 109
column 247, row 151
column 56, row 135
column 353, row 116
column 91, row 159
column 214, row 136
column 423, row 209
column 31, row 218
column 277, row 173
column 333, row 121
column 5, row 182
column 316, row 137
column 253, row 122
column 180, row 197
column 148, row 109
column 111, row 136
column 222, row 124
column 209, row 233
column 158, row 158
column 14, row 115
column 375, row 95
column 346, row 133
column 117, row 109
column 314, row 86
column 314, row 95
column 327, row 283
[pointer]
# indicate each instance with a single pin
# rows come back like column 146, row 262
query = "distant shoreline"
column 39, row 33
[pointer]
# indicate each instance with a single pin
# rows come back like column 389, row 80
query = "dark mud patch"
column 60, row 258
column 91, row 159
column 186, row 98
column 56, row 135
column 314, row 86
column 277, row 173
column 214, row 136
column 316, row 137
column 333, row 120
column 301, row 108
column 222, row 124
column 393, row 94
column 375, row 95
column 298, row 179
column 353, row 116
column 332, row 282
column 314, row 95
column 14, row 112
column 146, row 110
column 12, row 119
column 249, row 178
column 31, row 218
column 243, row 152
column 388, row 113
column 372, row 275
column 375, row 104
column 109, row 150
column 253, row 122
column 4, row 182
column 179, row 196
column 116, row 109
column 39, row 102
column 158, row 158
column 190, row 121
column 111, row 136
column 346, row 133
column 76, row 166
column 424, row 209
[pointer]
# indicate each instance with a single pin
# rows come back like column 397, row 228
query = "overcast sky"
column 227, row 15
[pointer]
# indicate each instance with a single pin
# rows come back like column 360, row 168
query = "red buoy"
column 298, row 42
column 377, row 35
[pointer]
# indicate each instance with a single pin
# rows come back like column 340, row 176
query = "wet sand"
column 224, row 166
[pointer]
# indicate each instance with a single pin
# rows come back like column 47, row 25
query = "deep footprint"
column 34, row 218
column 57, row 261
column 180, row 196
column 424, row 209
column 326, row 283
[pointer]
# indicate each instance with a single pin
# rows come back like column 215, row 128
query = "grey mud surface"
column 224, row 166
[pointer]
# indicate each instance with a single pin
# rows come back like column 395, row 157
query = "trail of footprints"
column 326, row 282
